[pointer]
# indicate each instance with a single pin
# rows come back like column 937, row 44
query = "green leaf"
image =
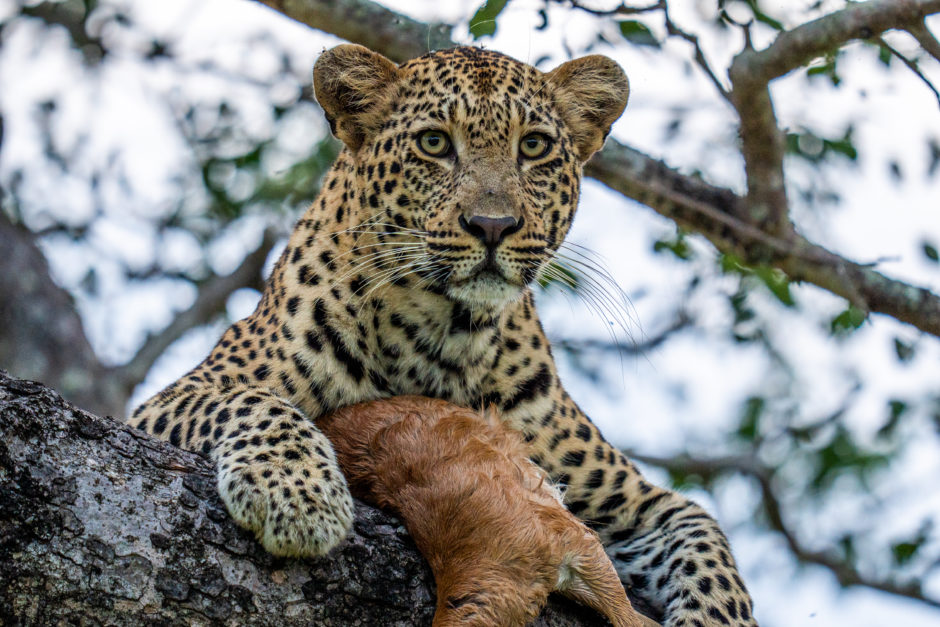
column 903, row 552
column 638, row 33
column 843, row 455
column 847, row 321
column 777, row 282
column 843, row 146
column 750, row 418
column 896, row 409
column 828, row 69
column 762, row 17
column 930, row 252
column 678, row 247
column 904, row 351
column 483, row 22
column 884, row 55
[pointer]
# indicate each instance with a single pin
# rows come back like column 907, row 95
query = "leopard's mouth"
column 487, row 272
column 485, row 286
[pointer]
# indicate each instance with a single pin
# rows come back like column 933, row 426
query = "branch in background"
column 762, row 142
column 710, row 468
column 210, row 300
column 925, row 38
column 673, row 30
column 799, row 46
column 720, row 215
column 682, row 321
column 42, row 334
column 623, row 9
column 396, row 36
column 911, row 65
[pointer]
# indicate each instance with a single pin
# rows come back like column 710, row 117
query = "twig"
column 681, row 322
column 700, row 59
column 912, row 66
column 623, row 9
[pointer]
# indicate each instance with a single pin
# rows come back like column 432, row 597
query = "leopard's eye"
column 434, row 143
column 534, row 145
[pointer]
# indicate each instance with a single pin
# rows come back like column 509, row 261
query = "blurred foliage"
column 814, row 148
column 241, row 166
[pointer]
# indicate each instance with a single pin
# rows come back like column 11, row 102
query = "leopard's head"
column 468, row 163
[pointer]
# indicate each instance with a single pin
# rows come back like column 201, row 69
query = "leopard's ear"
column 352, row 84
column 591, row 93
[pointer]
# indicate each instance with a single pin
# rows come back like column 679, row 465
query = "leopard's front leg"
column 668, row 549
column 276, row 472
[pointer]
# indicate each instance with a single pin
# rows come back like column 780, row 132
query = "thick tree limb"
column 396, row 36
column 845, row 572
column 42, row 335
column 103, row 524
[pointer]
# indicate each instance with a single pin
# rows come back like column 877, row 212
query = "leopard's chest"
column 432, row 351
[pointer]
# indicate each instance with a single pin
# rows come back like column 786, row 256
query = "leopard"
column 412, row 273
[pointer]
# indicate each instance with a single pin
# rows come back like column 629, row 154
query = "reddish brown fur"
column 488, row 521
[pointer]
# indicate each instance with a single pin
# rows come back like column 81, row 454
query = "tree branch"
column 103, row 524
column 762, row 142
column 925, row 38
column 846, row 573
column 398, row 37
column 699, row 56
column 797, row 47
column 41, row 334
column 722, row 216
column 210, row 300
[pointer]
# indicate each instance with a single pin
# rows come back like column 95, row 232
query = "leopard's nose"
column 490, row 231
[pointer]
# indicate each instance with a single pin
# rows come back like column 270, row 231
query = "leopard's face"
column 488, row 176
column 470, row 170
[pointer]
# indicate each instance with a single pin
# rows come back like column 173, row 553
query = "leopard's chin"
column 486, row 290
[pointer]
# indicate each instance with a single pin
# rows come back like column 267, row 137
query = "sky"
column 681, row 397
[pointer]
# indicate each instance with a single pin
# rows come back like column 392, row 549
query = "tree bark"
column 42, row 335
column 104, row 525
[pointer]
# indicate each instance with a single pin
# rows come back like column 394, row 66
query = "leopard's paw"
column 295, row 509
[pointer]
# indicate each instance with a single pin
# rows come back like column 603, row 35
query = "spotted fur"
column 409, row 275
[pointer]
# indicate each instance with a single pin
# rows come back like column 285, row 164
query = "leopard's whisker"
column 403, row 246
column 395, row 274
column 588, row 258
column 379, row 262
column 598, row 289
